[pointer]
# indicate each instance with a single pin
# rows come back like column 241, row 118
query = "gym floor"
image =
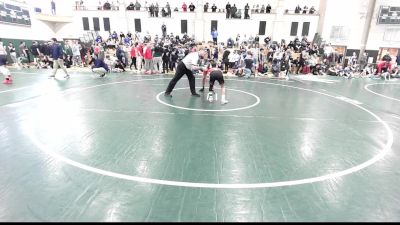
column 115, row 149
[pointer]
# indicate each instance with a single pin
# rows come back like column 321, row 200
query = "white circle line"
column 384, row 96
column 367, row 163
column 211, row 110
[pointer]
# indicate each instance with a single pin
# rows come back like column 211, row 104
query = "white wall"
column 43, row 32
column 376, row 35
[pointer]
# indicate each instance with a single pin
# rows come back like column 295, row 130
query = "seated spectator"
column 312, row 10
column 268, row 8
column 384, row 66
column 305, row 9
column 107, row 6
column 131, row 6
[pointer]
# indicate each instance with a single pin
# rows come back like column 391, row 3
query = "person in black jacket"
column 228, row 10
column 225, row 60
column 166, row 59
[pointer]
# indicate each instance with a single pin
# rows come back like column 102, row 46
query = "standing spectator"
column 233, row 11
column 133, row 56
column 398, row 59
column 76, row 54
column 151, row 10
column 192, row 7
column 214, row 8
column 164, row 30
column 363, row 60
column 228, row 10
column 148, row 58
column 206, row 7
column 168, row 10
column 156, row 9
column 35, row 51
column 246, row 11
column 262, row 9
column 165, row 59
column 297, row 9
column 3, row 63
column 57, row 55
column 121, row 36
column 184, row 7
column 214, row 34
column 24, row 51
column 137, row 5
column 53, row 7
column 13, row 54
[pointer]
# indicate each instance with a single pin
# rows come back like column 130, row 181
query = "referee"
column 185, row 67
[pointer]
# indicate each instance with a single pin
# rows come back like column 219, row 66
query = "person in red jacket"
column 148, row 58
column 133, row 56
column 384, row 66
column 139, row 56
column 184, row 7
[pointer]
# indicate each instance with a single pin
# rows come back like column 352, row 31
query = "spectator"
column 268, row 8
column 107, row 6
column 233, row 11
column 192, row 7
column 246, row 11
column 163, row 12
column 164, row 30
column 168, row 10
column 100, row 7
column 228, row 10
column 137, row 5
column 184, row 7
column 312, row 10
column 214, row 8
column 214, row 34
column 206, row 7
column 262, row 9
column 297, row 9
column 156, row 9
column 305, row 9
column 53, row 7
column 131, row 6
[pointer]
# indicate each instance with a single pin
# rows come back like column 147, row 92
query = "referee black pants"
column 180, row 71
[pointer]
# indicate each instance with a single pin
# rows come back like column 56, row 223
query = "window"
column 106, row 22
column 293, row 29
column 85, row 22
column 96, row 24
column 306, row 29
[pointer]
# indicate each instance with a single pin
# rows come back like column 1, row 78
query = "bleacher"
column 14, row 14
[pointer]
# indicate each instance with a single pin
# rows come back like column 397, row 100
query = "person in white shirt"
column 3, row 63
column 186, row 66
